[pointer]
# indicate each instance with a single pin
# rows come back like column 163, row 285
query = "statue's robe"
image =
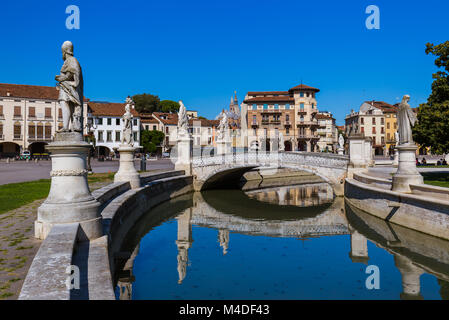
column 72, row 88
column 406, row 119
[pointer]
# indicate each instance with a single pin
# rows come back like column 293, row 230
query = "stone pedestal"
column 369, row 152
column 69, row 200
column 127, row 171
column 396, row 157
column 407, row 173
column 341, row 151
column 357, row 151
column 359, row 247
column 223, row 147
column 184, row 161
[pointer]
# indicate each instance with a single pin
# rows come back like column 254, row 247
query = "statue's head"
column 406, row 98
column 67, row 48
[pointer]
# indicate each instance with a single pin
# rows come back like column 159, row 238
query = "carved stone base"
column 184, row 161
column 127, row 171
column 407, row 173
column 341, row 151
column 69, row 200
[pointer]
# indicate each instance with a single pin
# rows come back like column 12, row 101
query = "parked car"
column 25, row 155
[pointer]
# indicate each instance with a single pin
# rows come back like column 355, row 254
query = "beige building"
column 372, row 120
column 292, row 113
column 327, row 131
column 29, row 118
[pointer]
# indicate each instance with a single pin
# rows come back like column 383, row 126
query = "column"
column 184, row 242
column 411, row 285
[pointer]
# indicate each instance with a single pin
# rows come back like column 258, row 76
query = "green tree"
column 146, row 103
column 432, row 129
column 169, row 106
column 151, row 140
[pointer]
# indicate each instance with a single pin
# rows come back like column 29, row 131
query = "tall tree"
column 169, row 106
column 432, row 129
column 146, row 103
column 151, row 140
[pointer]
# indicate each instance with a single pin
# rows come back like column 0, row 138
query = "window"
column 388, row 136
column 382, row 130
column 301, row 94
column 382, row 121
column 117, row 136
column 287, row 130
column 100, row 136
column 287, row 117
column 388, row 125
column 362, row 121
column 301, row 106
column 100, row 121
column 17, row 131
column 1, row 130
column 117, row 121
column 47, row 112
column 265, row 106
column 166, row 130
column 1, row 110
column 395, row 125
column 135, row 136
column 47, row 130
column 31, row 112
column 276, row 106
column 287, row 106
column 59, row 113
column 362, row 129
column 382, row 139
column 135, row 122
column 109, row 136
column 17, row 112
column 313, row 105
column 31, row 130
column 374, row 120
column 374, row 129
column 109, row 121
column 254, row 106
column 154, row 128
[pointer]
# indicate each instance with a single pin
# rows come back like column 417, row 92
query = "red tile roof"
column 304, row 87
column 385, row 107
column 170, row 118
column 254, row 93
column 109, row 109
column 205, row 122
column 30, row 91
column 270, row 99
column 323, row 116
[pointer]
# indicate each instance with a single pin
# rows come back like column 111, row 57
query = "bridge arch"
column 227, row 170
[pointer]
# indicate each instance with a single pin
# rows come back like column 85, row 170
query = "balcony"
column 302, row 111
column 17, row 117
column 307, row 136
column 39, row 138
column 254, row 124
column 307, row 123
column 17, row 137
column 287, row 123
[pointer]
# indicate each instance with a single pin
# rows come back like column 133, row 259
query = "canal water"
column 291, row 242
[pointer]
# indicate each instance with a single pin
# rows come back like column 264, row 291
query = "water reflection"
column 296, row 212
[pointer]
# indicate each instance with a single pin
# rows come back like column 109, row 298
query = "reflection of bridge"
column 218, row 170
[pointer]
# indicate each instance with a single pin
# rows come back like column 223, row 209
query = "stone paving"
column 18, row 245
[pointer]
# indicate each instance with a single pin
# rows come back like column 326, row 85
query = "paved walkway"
column 18, row 245
column 21, row 171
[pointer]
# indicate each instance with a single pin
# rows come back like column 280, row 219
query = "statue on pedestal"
column 281, row 142
column 183, row 122
column 70, row 90
column 127, row 130
column 406, row 119
column 223, row 126
column 341, row 142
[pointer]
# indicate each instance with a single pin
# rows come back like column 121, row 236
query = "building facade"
column 106, row 126
column 29, row 118
column 292, row 113
column 328, row 132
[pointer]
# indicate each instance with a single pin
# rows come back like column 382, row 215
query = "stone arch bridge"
column 215, row 171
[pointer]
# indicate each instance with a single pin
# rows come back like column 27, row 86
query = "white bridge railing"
column 327, row 160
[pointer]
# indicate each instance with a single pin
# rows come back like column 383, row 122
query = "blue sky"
column 201, row 51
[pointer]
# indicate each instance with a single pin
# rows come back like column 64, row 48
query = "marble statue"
column 182, row 119
column 396, row 137
column 127, row 130
column 223, row 126
column 71, row 96
column 341, row 141
column 406, row 119
column 281, row 142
